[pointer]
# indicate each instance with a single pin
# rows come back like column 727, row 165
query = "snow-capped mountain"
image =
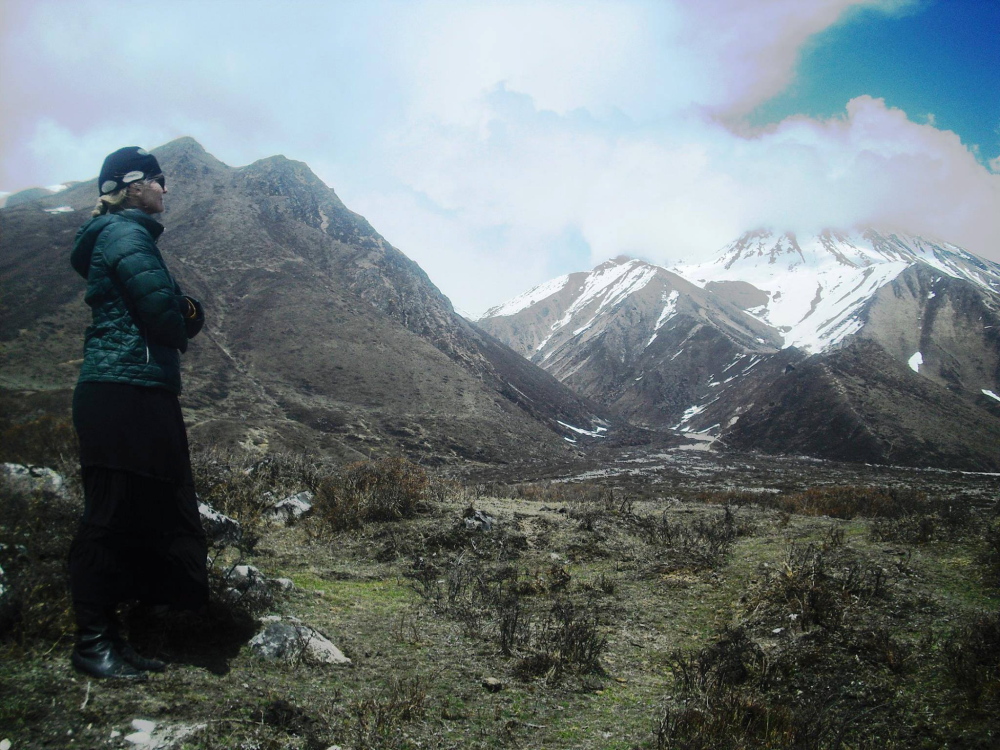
column 631, row 333
column 813, row 291
column 700, row 347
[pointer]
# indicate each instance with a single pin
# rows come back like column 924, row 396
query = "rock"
column 152, row 736
column 219, row 528
column 292, row 507
column 246, row 579
column 492, row 685
column 248, row 584
column 289, row 641
column 33, row 479
column 477, row 520
column 246, row 576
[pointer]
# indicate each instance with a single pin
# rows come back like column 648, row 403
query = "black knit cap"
column 124, row 166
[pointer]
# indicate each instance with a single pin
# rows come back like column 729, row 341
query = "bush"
column 816, row 587
column 699, row 545
column 379, row 719
column 36, row 530
column 972, row 656
column 382, row 490
column 837, row 501
column 246, row 486
column 990, row 554
column 45, row 441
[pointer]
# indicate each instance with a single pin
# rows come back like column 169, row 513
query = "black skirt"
column 132, row 428
column 140, row 536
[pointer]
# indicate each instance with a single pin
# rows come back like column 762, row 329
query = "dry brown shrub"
column 45, row 441
column 972, row 656
column 378, row 719
column 246, row 486
column 386, row 489
column 816, row 587
column 36, row 530
column 836, row 501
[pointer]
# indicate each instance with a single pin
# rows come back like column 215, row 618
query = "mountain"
column 31, row 194
column 874, row 346
column 320, row 333
column 634, row 336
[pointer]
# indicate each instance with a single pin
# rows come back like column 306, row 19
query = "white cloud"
column 750, row 47
column 684, row 191
column 496, row 143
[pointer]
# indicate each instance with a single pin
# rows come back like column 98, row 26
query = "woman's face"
column 148, row 195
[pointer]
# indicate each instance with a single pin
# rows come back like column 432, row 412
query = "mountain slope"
column 632, row 335
column 319, row 333
column 706, row 347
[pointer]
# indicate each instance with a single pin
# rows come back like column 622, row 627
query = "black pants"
column 139, row 538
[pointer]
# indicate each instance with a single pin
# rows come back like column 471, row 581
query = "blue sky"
column 941, row 58
column 499, row 144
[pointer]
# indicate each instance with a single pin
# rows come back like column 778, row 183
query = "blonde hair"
column 112, row 202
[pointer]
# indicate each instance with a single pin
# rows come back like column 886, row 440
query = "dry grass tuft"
column 386, row 489
column 972, row 656
column 36, row 530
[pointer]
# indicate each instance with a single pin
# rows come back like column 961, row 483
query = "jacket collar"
column 151, row 225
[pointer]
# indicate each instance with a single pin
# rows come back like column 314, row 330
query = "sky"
column 500, row 144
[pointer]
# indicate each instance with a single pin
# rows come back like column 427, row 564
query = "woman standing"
column 140, row 536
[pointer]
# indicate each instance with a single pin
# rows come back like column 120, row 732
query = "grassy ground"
column 607, row 617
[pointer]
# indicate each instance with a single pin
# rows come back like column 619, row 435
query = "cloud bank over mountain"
column 499, row 144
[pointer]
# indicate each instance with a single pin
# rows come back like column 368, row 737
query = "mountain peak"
column 183, row 146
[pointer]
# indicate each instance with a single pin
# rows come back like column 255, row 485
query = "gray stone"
column 33, row 479
column 220, row 528
column 291, row 641
column 246, row 582
column 477, row 520
column 292, row 507
column 246, row 576
column 152, row 736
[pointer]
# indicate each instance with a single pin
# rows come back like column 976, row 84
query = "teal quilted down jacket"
column 138, row 329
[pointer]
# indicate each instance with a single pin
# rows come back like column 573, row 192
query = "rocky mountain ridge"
column 320, row 333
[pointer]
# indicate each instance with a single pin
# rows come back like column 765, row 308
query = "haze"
column 501, row 144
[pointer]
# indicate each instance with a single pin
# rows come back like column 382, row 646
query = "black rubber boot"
column 95, row 653
column 124, row 648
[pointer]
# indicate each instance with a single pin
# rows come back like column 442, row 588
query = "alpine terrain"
column 320, row 334
column 871, row 346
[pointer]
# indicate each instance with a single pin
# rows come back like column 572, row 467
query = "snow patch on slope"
column 669, row 311
column 589, row 433
column 610, row 284
column 529, row 298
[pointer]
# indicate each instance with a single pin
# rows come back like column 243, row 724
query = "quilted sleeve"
column 137, row 265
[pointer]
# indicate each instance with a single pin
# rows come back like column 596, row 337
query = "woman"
column 140, row 536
